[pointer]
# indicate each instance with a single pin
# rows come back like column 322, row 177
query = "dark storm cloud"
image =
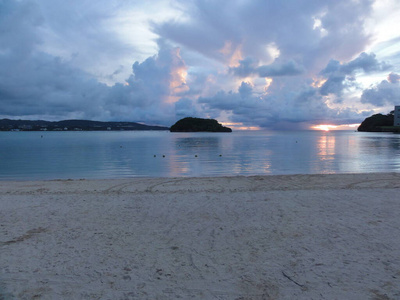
column 34, row 83
column 45, row 85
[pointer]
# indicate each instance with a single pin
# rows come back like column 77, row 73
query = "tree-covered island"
column 198, row 125
column 379, row 123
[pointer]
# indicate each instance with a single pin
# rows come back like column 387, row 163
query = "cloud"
column 387, row 92
column 246, row 67
column 19, row 24
column 35, row 84
column 393, row 77
column 152, row 88
column 185, row 107
column 89, row 35
column 289, row 68
column 258, row 62
column 250, row 66
column 302, row 104
column 289, row 42
column 252, row 27
column 341, row 75
column 365, row 62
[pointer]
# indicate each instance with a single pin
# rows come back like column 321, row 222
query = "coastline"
column 257, row 237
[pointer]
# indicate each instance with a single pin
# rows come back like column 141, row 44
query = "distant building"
column 397, row 115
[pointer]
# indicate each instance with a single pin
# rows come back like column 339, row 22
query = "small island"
column 379, row 123
column 198, row 125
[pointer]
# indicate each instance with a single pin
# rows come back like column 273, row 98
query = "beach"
column 326, row 236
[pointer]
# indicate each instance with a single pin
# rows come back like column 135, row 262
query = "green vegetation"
column 379, row 123
column 198, row 125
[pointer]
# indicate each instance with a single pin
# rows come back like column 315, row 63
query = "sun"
column 324, row 127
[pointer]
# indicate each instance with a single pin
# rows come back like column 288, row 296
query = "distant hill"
column 71, row 125
column 198, row 125
column 378, row 123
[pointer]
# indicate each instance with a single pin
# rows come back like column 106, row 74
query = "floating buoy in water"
column 155, row 155
column 163, row 156
column 195, row 155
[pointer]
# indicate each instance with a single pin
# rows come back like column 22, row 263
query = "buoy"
column 163, row 156
column 155, row 155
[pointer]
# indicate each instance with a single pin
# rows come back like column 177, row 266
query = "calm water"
column 61, row 155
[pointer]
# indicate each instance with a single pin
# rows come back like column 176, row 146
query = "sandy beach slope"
column 261, row 237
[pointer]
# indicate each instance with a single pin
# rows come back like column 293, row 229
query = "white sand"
column 263, row 237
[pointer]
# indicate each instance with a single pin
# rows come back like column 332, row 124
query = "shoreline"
column 333, row 236
column 231, row 183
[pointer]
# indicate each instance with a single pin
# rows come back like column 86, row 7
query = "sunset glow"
column 240, row 126
column 326, row 127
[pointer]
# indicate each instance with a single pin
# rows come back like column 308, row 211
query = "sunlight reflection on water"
column 25, row 155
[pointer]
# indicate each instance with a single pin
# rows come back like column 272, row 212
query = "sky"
column 260, row 64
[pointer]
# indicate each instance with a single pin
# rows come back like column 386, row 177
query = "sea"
column 126, row 154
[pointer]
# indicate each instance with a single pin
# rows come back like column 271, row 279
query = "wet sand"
column 261, row 237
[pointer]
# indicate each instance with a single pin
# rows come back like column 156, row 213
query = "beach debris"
column 27, row 235
column 292, row 280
